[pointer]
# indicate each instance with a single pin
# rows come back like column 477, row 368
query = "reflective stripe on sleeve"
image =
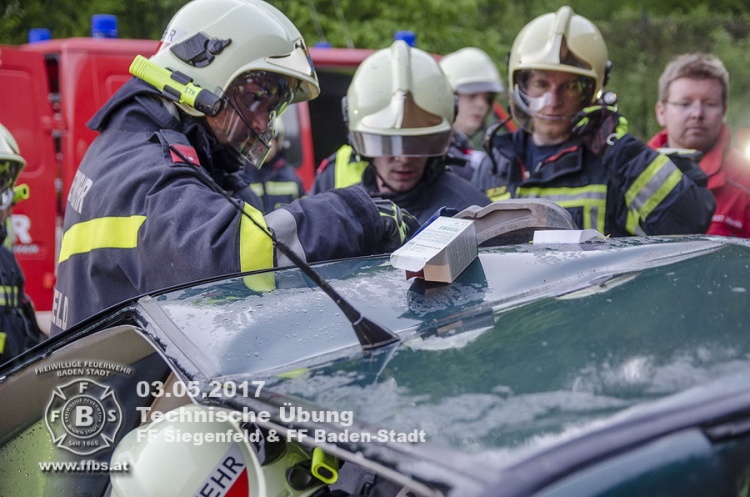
column 347, row 173
column 100, row 233
column 649, row 189
column 256, row 247
column 256, row 250
column 591, row 198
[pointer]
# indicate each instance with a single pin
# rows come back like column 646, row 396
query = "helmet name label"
column 228, row 478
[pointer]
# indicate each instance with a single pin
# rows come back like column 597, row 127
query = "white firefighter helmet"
column 470, row 70
column 215, row 41
column 193, row 450
column 400, row 103
column 11, row 164
column 250, row 54
column 557, row 41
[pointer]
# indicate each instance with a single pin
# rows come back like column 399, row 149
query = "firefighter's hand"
column 398, row 224
column 600, row 126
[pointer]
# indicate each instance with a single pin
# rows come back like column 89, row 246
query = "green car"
column 614, row 368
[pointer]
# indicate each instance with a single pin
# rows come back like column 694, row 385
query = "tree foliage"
column 642, row 35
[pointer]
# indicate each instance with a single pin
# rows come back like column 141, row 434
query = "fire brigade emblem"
column 83, row 417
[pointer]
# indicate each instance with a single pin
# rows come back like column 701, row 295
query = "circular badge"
column 83, row 417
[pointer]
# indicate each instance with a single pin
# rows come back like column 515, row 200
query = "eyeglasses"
column 709, row 107
column 569, row 89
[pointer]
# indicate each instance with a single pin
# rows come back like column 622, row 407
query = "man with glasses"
column 573, row 147
column 692, row 108
column 150, row 205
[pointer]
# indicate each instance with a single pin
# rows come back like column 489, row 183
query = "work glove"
column 398, row 224
column 600, row 126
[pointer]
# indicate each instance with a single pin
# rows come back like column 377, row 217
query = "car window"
column 61, row 396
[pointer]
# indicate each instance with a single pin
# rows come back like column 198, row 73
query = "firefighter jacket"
column 19, row 330
column 147, row 210
column 729, row 180
column 629, row 189
column 461, row 158
column 438, row 188
column 276, row 183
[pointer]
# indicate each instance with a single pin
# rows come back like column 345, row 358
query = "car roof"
column 531, row 345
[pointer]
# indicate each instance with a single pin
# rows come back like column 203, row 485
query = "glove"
column 600, row 126
column 398, row 224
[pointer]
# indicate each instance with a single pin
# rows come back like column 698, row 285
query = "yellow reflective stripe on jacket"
column 100, row 233
column 2, row 342
column 257, row 188
column 347, row 173
column 9, row 295
column 649, row 189
column 591, row 198
column 282, row 188
column 256, row 249
column 273, row 188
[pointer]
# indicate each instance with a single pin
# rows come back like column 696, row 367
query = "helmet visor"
column 9, row 171
column 532, row 92
column 254, row 100
column 371, row 145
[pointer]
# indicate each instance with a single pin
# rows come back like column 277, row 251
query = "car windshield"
column 529, row 345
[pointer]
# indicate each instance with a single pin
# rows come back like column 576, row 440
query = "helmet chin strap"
column 384, row 183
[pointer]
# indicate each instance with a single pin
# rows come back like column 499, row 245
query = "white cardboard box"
column 440, row 252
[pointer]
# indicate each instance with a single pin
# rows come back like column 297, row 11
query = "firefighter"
column 277, row 182
column 476, row 82
column 19, row 330
column 574, row 147
column 148, row 207
column 399, row 109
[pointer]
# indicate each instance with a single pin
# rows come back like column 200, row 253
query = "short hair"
column 694, row 66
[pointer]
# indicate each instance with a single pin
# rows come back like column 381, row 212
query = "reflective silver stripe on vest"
column 650, row 181
column 591, row 198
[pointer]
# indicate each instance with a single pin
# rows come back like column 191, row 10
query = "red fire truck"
column 50, row 89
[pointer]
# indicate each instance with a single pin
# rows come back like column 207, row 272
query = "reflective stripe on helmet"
column 99, row 233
